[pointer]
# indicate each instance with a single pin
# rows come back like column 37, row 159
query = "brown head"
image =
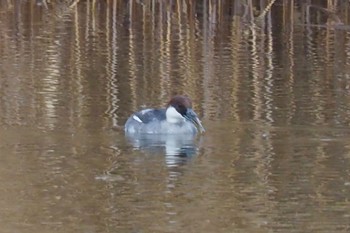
column 183, row 111
column 180, row 103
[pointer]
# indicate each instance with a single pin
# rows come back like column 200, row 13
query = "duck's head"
column 179, row 109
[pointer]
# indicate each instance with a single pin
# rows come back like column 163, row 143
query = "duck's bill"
column 192, row 116
column 199, row 125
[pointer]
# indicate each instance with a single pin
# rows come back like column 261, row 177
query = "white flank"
column 173, row 116
column 136, row 118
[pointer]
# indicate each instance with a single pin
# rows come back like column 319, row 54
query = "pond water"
column 272, row 88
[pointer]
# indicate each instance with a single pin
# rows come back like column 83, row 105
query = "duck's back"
column 148, row 115
column 145, row 121
column 153, row 121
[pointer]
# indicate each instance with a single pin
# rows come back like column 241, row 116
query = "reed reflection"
column 112, row 64
column 80, row 69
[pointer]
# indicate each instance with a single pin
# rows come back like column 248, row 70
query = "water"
column 273, row 96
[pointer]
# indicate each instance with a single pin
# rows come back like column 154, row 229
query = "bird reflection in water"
column 178, row 148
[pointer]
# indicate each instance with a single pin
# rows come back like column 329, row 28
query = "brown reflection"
column 78, row 65
column 132, row 54
column 270, row 79
column 112, row 63
column 288, row 16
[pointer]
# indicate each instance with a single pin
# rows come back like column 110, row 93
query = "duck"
column 177, row 117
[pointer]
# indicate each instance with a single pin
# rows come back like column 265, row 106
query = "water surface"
column 272, row 89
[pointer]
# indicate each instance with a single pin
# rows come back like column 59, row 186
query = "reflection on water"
column 269, row 79
column 177, row 148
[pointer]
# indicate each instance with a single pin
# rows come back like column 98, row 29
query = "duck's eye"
column 181, row 109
